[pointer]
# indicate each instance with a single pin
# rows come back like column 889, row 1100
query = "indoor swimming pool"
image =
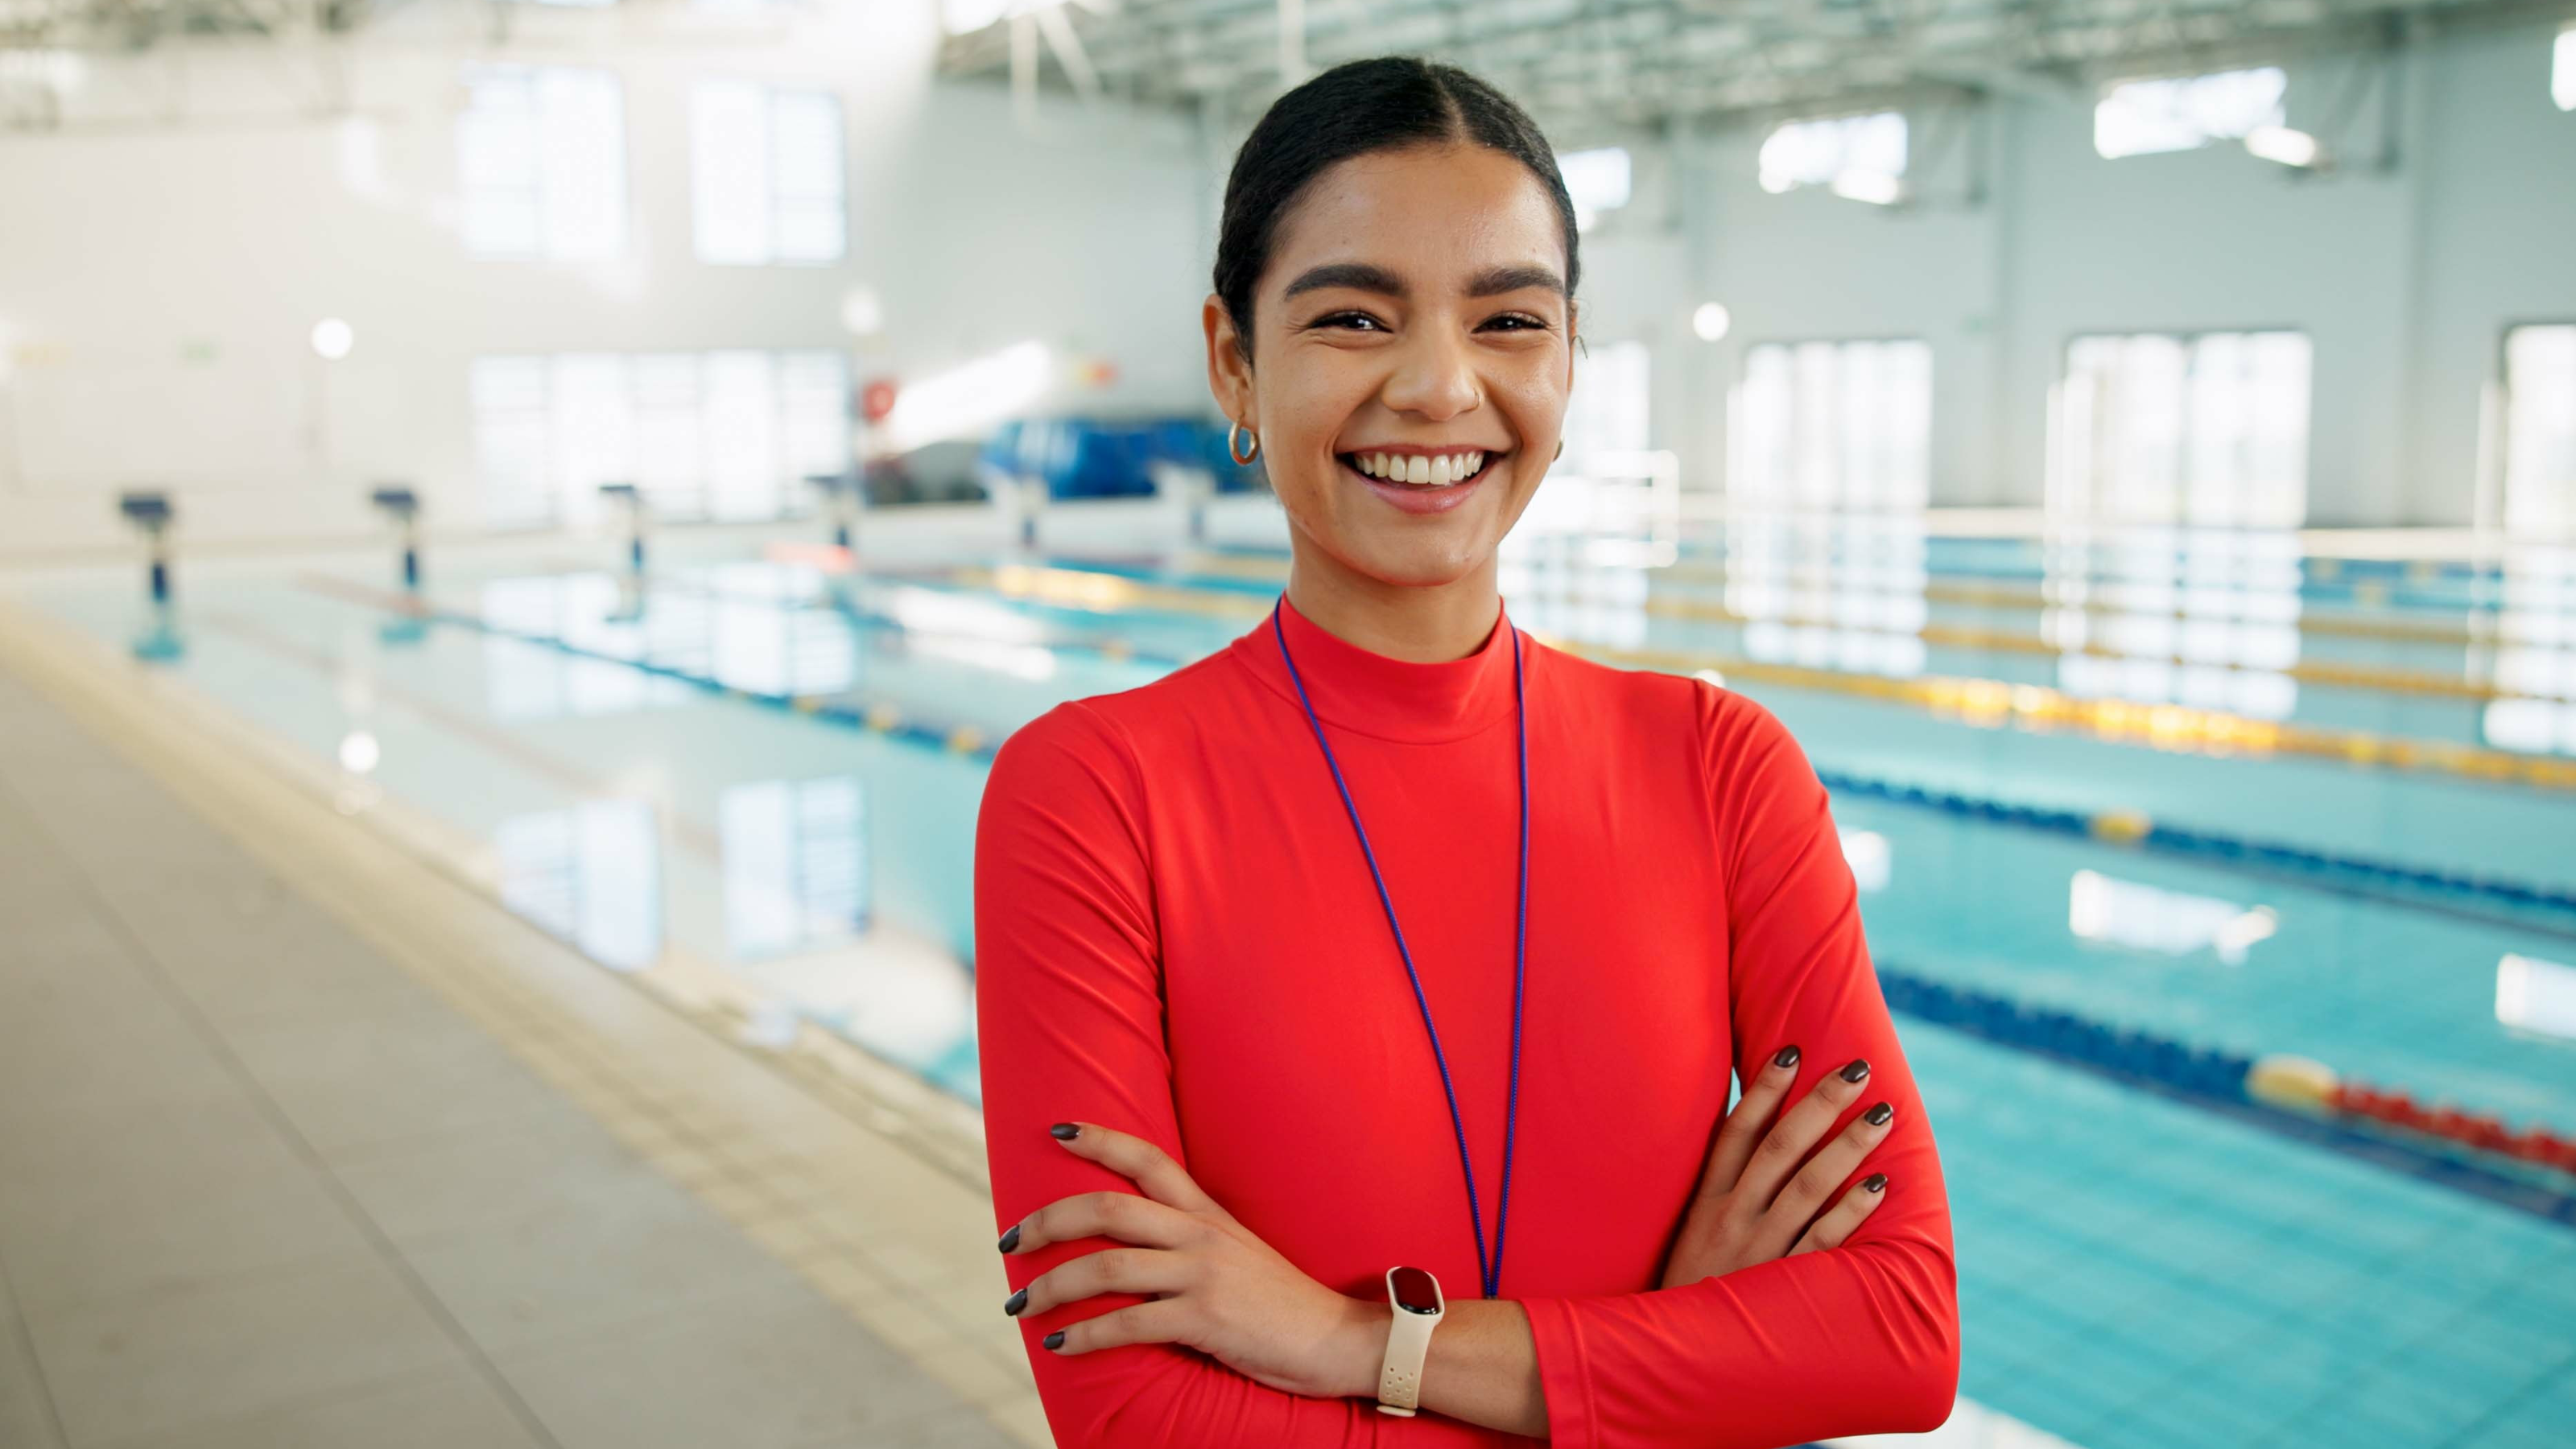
column 2125, row 815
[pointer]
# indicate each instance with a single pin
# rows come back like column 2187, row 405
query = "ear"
column 1229, row 373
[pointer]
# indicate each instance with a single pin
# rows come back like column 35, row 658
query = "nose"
column 1433, row 378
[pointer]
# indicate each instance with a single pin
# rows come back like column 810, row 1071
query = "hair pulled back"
column 1385, row 103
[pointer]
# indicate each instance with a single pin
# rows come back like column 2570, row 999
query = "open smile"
column 1416, row 482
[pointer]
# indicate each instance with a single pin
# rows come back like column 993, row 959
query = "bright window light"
column 1858, row 156
column 2290, row 148
column 541, row 162
column 1828, row 470
column 1835, row 425
column 2183, row 113
column 2536, row 996
column 2169, row 923
column 964, row 17
column 728, row 436
column 969, row 397
column 795, row 864
column 2562, row 71
column 1711, row 321
column 1596, row 180
column 766, row 173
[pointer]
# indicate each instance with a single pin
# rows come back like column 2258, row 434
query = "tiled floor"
column 301, row 1143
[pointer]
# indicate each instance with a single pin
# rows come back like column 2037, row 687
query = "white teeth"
column 1437, row 471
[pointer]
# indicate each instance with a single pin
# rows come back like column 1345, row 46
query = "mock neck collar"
column 1372, row 694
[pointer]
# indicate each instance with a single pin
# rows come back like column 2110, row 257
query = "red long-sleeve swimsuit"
column 1177, row 936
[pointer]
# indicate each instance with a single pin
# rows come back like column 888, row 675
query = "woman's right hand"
column 1756, row 1202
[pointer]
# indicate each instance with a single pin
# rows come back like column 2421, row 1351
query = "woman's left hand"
column 1215, row 1287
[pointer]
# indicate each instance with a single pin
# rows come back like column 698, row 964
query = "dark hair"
column 1385, row 103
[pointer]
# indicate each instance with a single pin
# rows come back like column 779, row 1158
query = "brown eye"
column 1347, row 319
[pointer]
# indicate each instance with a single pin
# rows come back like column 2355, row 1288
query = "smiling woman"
column 1358, row 1004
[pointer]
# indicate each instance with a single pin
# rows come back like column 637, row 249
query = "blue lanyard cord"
column 1491, row 1272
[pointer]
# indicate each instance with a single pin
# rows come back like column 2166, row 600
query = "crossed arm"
column 1798, row 1345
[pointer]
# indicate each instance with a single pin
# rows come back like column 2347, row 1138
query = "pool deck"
column 303, row 1141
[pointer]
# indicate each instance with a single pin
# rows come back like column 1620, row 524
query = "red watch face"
column 1416, row 1292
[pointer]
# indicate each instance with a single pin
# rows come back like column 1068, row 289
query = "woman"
column 1389, row 937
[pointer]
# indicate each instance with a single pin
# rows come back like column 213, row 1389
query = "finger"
column 1111, row 1270
column 1833, row 1228
column 1120, row 1215
column 1164, row 1320
column 1130, row 1156
column 1745, row 1123
column 1832, row 1164
column 1798, row 1131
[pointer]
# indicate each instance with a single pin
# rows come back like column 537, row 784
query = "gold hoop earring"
column 1241, row 458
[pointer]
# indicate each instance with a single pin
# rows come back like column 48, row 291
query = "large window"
column 1834, row 425
column 767, row 174
column 1862, row 157
column 541, row 163
column 2177, row 474
column 2536, row 652
column 2210, row 430
column 1829, row 469
column 2184, row 113
column 714, row 435
column 2562, row 71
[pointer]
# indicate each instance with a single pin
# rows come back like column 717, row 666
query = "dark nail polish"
column 1054, row 1340
column 1873, row 1182
column 1064, row 1131
column 1788, row 1057
column 1011, row 1239
column 1858, row 1069
column 1877, row 1116
column 1017, row 1301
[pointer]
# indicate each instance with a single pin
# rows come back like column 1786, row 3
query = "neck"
column 1417, row 623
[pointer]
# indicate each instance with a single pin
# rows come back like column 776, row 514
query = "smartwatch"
column 1418, row 1306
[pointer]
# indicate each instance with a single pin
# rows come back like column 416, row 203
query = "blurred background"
column 523, row 524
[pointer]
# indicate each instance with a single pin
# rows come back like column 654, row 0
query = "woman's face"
column 1413, row 317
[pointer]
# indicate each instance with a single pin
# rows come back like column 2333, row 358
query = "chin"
column 1414, row 564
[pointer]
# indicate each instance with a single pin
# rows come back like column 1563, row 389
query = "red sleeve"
column 1860, row 1339
column 1069, row 1010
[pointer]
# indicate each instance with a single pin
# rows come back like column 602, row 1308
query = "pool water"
column 776, row 769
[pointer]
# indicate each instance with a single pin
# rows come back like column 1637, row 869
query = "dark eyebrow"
column 1359, row 276
column 1495, row 280
column 1365, row 277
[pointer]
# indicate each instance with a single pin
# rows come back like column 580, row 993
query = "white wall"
column 159, row 278
column 2404, row 279
column 156, row 294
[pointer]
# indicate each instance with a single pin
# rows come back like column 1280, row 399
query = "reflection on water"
column 591, row 875
column 2169, row 923
column 2537, row 656
column 2200, row 616
column 2536, row 996
column 795, row 864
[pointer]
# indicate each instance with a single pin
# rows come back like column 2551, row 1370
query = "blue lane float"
column 2215, row 1081
column 2211, row 1080
column 2324, row 868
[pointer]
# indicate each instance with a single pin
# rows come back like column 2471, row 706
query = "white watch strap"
column 1408, row 1343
